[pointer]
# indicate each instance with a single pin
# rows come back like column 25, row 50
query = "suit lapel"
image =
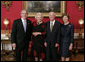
column 27, row 25
column 21, row 25
column 49, row 25
column 54, row 26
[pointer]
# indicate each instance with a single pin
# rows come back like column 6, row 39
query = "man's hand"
column 56, row 45
column 45, row 44
column 14, row 45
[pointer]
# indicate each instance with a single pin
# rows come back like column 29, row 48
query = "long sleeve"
column 31, row 31
column 14, row 32
column 72, row 34
column 45, row 33
column 44, row 29
column 58, row 34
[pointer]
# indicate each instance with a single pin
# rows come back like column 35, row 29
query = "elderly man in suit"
column 21, row 35
column 52, row 37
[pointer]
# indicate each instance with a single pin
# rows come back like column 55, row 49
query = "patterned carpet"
column 77, row 57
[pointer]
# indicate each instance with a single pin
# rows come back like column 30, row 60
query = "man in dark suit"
column 21, row 35
column 52, row 37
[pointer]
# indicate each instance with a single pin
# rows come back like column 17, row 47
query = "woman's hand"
column 45, row 44
column 14, row 45
column 36, row 33
column 56, row 45
column 71, row 46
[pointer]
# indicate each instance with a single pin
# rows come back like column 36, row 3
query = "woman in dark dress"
column 67, row 35
column 38, row 37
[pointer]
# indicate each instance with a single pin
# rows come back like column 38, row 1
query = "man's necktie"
column 51, row 25
column 25, row 24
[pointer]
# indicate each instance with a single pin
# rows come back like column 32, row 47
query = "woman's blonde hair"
column 38, row 15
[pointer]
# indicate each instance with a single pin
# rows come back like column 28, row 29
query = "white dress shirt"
column 53, row 22
column 24, row 24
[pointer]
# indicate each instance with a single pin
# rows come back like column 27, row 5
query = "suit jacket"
column 18, row 35
column 54, row 36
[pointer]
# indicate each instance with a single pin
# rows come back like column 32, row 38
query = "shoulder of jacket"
column 71, row 25
column 29, row 20
column 57, row 21
column 16, row 20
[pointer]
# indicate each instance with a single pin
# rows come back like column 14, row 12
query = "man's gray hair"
column 24, row 10
column 53, row 13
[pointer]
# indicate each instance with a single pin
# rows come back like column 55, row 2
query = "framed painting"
column 44, row 7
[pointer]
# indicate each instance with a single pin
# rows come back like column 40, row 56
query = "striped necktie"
column 25, row 24
column 51, row 25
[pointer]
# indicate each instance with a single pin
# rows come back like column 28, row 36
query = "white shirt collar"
column 23, row 20
column 53, row 21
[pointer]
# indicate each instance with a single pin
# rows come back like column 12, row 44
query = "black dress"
column 67, row 35
column 38, row 41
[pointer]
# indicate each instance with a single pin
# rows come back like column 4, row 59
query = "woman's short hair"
column 65, row 14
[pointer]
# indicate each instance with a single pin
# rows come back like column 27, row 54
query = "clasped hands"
column 36, row 33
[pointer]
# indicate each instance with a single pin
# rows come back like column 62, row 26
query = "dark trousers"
column 51, row 53
column 24, row 55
